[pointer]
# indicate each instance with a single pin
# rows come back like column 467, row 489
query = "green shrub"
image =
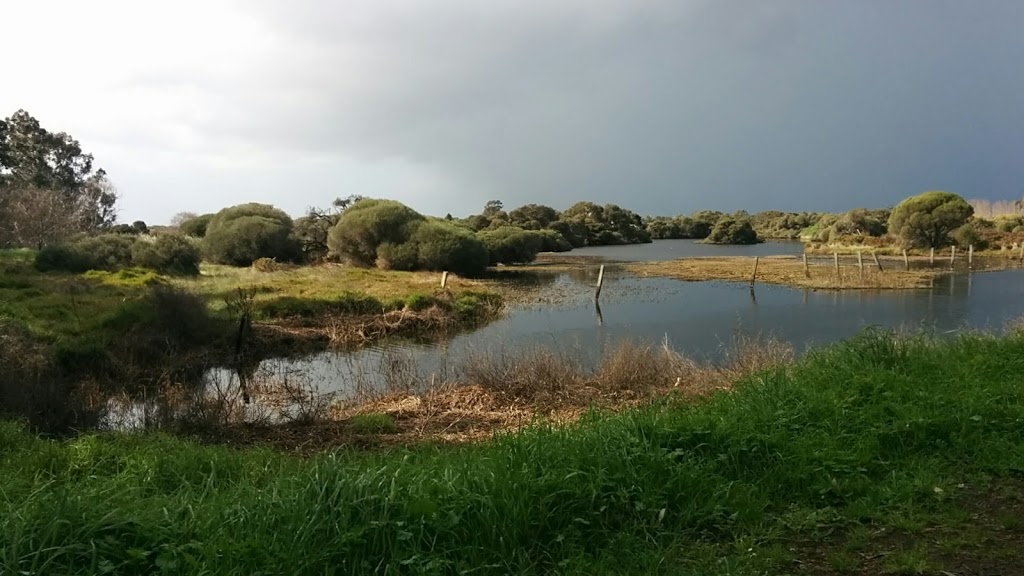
column 62, row 257
column 241, row 234
column 167, row 254
column 196, row 227
column 969, row 235
column 443, row 246
column 397, row 256
column 729, row 230
column 104, row 252
column 552, row 241
column 344, row 303
column 928, row 219
column 367, row 224
column 511, row 245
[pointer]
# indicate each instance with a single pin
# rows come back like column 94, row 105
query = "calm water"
column 672, row 249
column 697, row 318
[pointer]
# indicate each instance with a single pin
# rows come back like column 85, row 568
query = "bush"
column 63, row 257
column 241, row 234
column 196, row 227
column 511, row 245
column 168, row 254
column 969, row 235
column 928, row 219
column 104, row 252
column 443, row 246
column 265, row 265
column 397, row 256
column 368, row 224
column 732, row 231
column 552, row 241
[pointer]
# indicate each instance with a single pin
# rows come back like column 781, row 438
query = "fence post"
column 952, row 256
column 970, row 257
column 839, row 275
column 600, row 282
column 444, row 279
column 877, row 263
column 807, row 269
column 753, row 277
column 931, row 257
column 860, row 263
column 906, row 260
column 1022, row 252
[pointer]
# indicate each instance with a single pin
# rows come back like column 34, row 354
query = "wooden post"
column 860, row 263
column 1022, row 252
column 952, row 256
column 877, row 263
column 931, row 257
column 906, row 260
column 600, row 282
column 970, row 257
column 839, row 276
column 444, row 279
column 753, row 277
column 807, row 269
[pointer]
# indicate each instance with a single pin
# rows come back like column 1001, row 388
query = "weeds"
column 665, row 488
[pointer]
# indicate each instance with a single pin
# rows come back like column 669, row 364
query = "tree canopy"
column 241, row 234
column 928, row 219
column 49, row 189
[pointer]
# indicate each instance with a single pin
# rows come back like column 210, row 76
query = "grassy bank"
column 876, row 456
column 854, row 273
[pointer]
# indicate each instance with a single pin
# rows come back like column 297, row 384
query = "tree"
column 196, row 227
column 37, row 217
column 492, row 208
column 511, row 245
column 926, row 220
column 241, row 234
column 181, row 217
column 532, row 216
column 366, row 225
column 312, row 230
column 730, row 230
column 33, row 159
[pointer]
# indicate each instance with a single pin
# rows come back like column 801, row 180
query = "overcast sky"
column 660, row 106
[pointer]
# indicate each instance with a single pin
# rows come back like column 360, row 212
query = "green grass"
column 375, row 423
column 869, row 435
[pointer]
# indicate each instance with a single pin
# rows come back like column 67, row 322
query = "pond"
column 672, row 249
column 696, row 318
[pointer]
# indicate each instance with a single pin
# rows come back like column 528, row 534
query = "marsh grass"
column 788, row 271
column 853, row 437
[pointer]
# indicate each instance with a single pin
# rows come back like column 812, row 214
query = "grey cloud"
column 659, row 106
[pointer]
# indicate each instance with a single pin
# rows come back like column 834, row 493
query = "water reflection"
column 696, row 318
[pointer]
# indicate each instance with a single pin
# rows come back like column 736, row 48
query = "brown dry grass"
column 822, row 275
column 494, row 394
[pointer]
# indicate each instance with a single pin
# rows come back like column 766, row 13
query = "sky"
column 662, row 107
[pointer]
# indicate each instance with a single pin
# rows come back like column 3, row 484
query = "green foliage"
column 240, row 234
column 730, row 230
column 511, row 245
column 443, row 246
column 970, row 235
column 104, row 252
column 125, row 277
column 533, row 216
column 552, row 241
column 369, row 223
column 196, row 227
column 404, row 256
column 373, row 423
column 928, row 219
column 784, row 225
column 608, row 224
column 168, row 254
column 846, row 442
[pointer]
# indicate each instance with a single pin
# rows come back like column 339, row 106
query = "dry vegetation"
column 483, row 395
column 820, row 274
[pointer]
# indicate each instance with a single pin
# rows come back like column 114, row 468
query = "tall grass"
column 858, row 434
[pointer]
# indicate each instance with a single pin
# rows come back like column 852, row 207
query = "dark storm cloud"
column 661, row 106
